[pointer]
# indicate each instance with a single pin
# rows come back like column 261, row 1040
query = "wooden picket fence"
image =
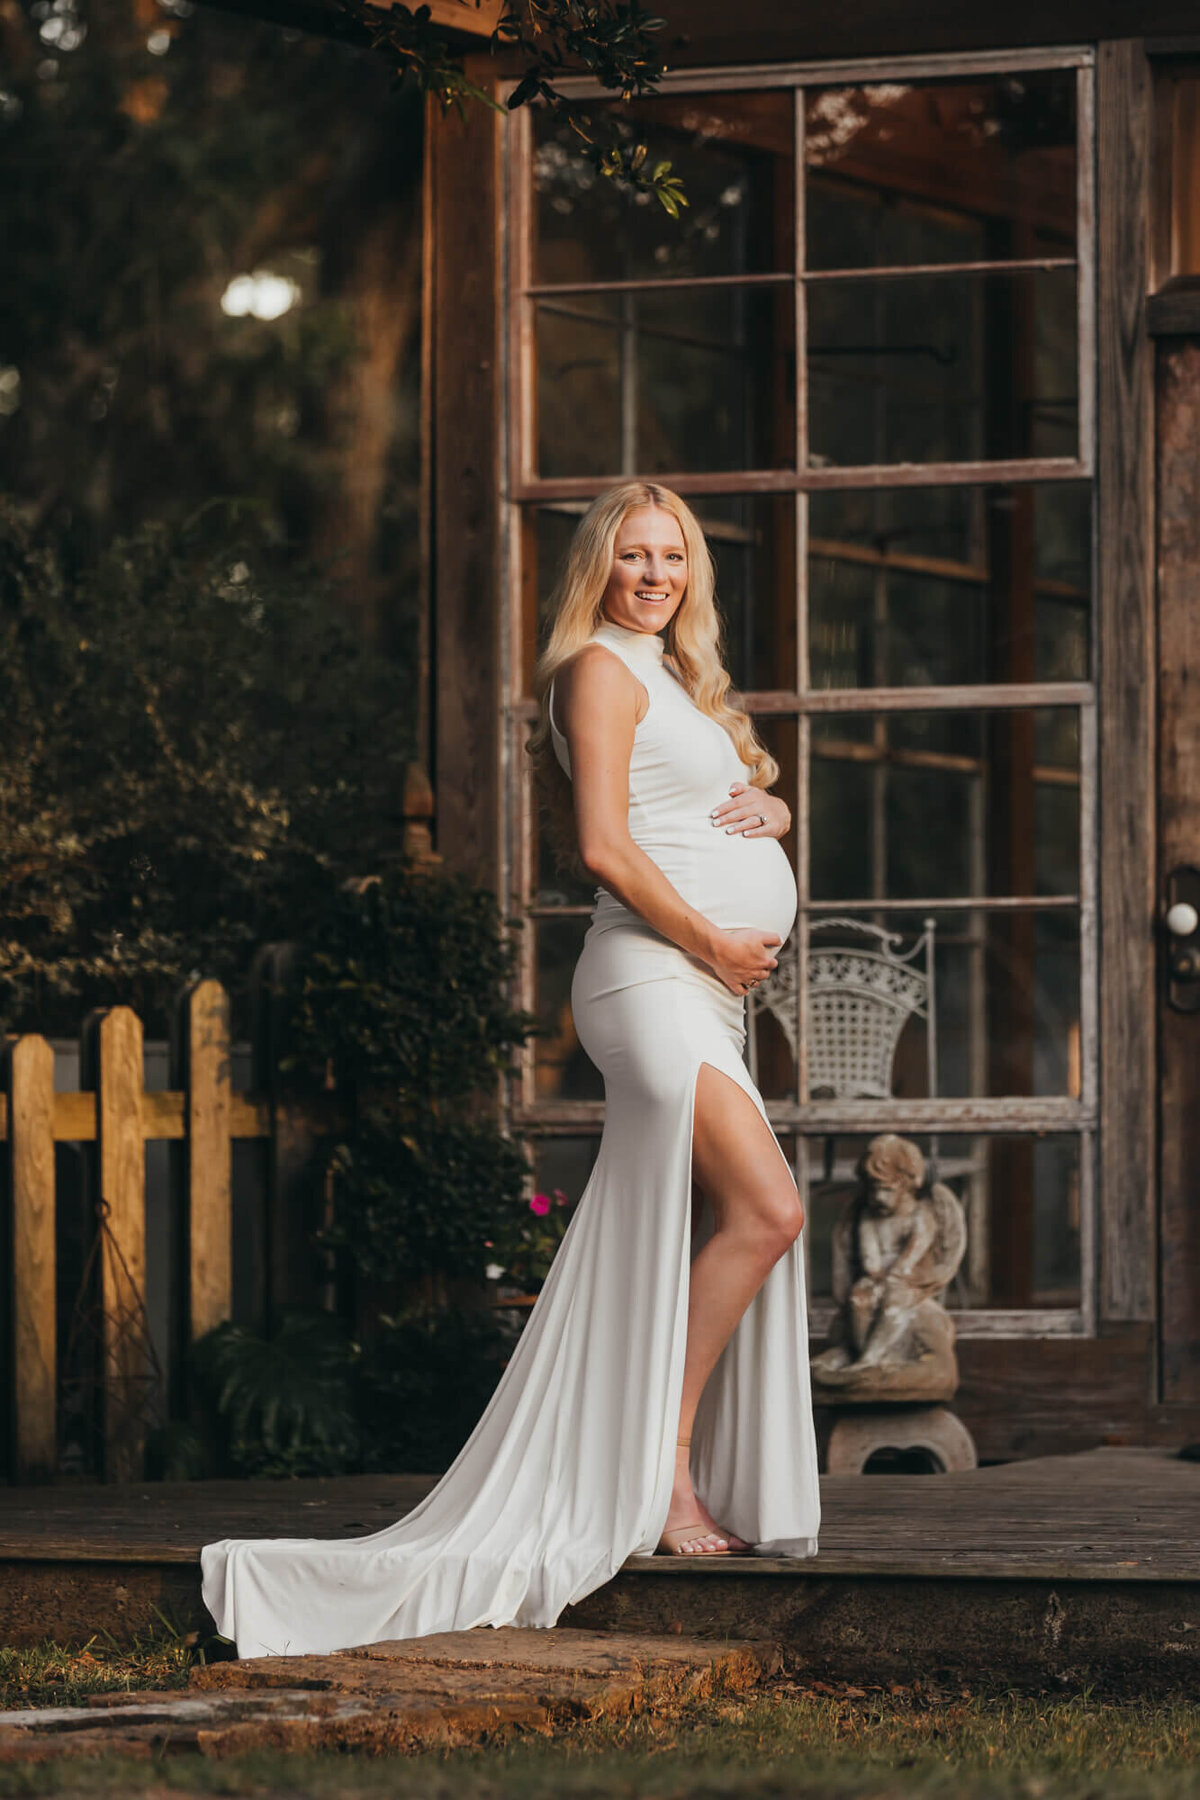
column 118, row 1116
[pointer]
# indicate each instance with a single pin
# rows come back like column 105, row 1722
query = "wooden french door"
column 1178, row 434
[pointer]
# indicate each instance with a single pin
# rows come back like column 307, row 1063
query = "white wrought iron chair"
column 859, row 1000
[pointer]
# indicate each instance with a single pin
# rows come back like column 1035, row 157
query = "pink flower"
column 560, row 1199
column 540, row 1204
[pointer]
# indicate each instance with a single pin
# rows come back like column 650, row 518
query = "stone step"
column 458, row 1688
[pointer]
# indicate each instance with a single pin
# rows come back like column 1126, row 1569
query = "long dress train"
column 569, row 1471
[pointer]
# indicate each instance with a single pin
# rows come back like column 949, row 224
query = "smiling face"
column 649, row 570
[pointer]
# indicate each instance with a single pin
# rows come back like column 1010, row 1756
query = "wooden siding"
column 1179, row 845
column 1125, row 634
column 462, row 166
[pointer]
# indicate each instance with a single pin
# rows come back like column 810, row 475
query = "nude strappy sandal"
column 671, row 1542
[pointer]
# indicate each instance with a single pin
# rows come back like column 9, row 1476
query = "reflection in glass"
column 563, row 1070
column 941, row 171
column 754, row 542
column 658, row 383
column 941, row 587
column 735, row 155
column 948, row 368
column 924, row 804
column 1021, row 1196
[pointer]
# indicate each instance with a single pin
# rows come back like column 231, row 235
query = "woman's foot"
column 690, row 1529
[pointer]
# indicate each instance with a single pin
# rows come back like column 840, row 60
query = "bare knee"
column 782, row 1224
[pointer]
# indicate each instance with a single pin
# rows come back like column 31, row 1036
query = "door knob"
column 1182, row 920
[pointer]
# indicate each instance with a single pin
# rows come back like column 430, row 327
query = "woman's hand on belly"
column 744, row 957
column 746, row 806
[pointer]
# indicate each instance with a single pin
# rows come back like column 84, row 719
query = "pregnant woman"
column 658, row 1398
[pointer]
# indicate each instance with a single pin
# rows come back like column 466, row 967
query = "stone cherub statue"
column 895, row 1247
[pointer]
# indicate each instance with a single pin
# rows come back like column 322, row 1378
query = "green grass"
column 789, row 1742
column 47, row 1674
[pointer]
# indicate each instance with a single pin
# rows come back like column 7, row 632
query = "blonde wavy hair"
column 692, row 638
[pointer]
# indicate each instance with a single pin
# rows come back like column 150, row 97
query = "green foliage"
column 413, row 1193
column 284, row 1403
column 430, row 1374
column 405, row 987
column 403, row 995
column 613, row 41
column 194, row 750
column 528, row 1240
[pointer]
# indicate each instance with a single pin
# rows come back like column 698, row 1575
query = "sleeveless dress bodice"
column 681, row 767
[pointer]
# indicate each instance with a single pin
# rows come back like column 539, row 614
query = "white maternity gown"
column 569, row 1471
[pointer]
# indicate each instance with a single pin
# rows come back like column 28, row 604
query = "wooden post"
column 1125, row 625
column 31, row 1147
column 463, row 170
column 121, row 1156
column 209, row 1157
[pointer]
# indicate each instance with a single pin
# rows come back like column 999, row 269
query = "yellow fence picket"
column 122, row 1160
column 31, row 1137
column 209, row 1156
column 113, row 1111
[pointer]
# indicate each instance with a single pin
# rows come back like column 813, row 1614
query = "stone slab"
column 454, row 1689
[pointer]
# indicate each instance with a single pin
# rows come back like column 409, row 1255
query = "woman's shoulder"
column 600, row 677
column 594, row 662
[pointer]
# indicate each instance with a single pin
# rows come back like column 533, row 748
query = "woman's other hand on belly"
column 744, row 957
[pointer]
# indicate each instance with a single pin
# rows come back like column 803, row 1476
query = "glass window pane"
column 754, row 542
column 771, row 1054
column 942, row 368
column 580, row 408
column 924, row 587
column 1021, row 1197
column 563, row 1070
column 663, row 383
column 941, row 171
column 924, row 804
column 1006, row 1005
column 734, row 153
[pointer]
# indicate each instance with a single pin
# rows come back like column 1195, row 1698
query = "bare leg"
column 758, row 1216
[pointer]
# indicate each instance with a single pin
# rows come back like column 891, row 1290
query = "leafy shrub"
column 403, row 998
column 283, row 1405
column 430, row 1375
column 194, row 752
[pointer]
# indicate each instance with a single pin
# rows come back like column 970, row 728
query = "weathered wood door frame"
column 1178, row 539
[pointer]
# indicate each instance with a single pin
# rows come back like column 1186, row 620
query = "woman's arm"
column 598, row 701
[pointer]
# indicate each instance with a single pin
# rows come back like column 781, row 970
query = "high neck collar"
column 648, row 646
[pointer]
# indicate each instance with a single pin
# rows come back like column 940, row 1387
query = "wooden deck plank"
column 1109, row 1514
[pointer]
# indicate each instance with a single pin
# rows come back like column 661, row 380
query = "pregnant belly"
column 737, row 881
column 733, row 880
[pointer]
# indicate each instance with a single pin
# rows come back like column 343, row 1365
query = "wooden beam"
column 162, row 1117
column 702, row 32
column 1125, row 632
column 463, row 166
column 477, row 18
column 1179, row 846
column 34, row 1337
